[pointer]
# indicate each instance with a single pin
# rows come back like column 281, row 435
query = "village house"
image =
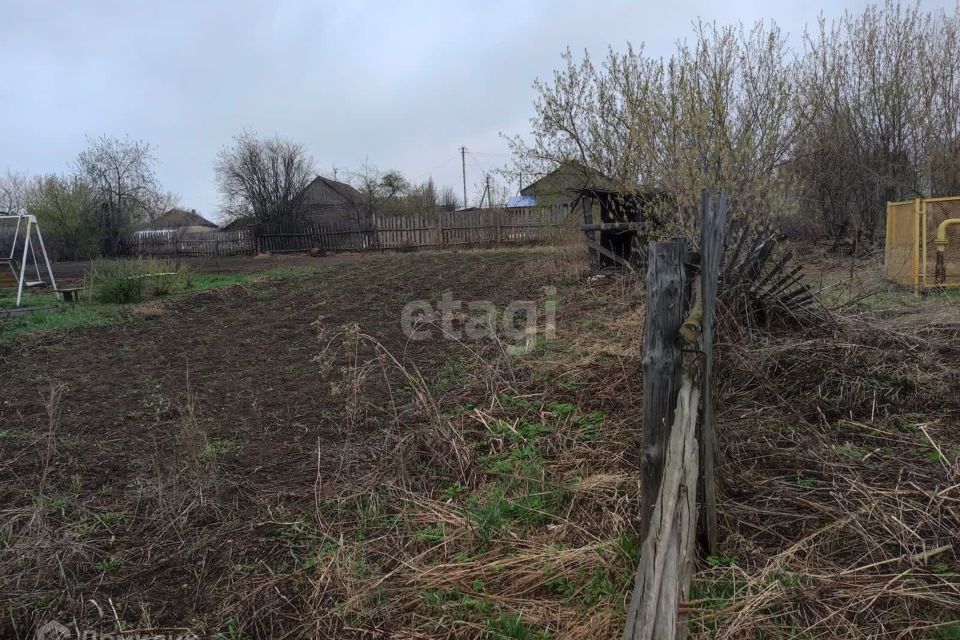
column 558, row 192
column 325, row 201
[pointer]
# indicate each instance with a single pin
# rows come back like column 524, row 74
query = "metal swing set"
column 20, row 241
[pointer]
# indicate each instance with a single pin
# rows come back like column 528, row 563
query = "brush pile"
column 841, row 466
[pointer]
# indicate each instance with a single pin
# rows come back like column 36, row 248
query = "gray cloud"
column 398, row 84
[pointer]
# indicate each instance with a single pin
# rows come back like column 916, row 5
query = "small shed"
column 618, row 224
column 558, row 192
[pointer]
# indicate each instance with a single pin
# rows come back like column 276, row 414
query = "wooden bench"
column 70, row 294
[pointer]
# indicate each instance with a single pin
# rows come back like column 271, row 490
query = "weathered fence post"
column 593, row 259
column 712, row 231
column 669, row 461
column 667, row 302
column 678, row 457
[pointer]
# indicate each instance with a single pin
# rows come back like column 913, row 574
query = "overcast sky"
column 398, row 84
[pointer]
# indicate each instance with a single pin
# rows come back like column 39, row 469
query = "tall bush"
column 866, row 111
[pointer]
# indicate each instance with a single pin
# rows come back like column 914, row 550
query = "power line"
column 433, row 168
column 477, row 162
column 490, row 153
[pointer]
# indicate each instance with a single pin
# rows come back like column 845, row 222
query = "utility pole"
column 486, row 192
column 463, row 166
column 489, row 194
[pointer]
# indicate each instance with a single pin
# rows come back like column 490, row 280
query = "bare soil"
column 238, row 364
column 277, row 460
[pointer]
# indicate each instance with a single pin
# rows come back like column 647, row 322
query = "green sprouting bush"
column 127, row 281
column 109, row 282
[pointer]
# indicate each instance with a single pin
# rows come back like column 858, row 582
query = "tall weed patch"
column 127, row 281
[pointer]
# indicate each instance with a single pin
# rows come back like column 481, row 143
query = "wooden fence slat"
column 666, row 310
column 712, row 231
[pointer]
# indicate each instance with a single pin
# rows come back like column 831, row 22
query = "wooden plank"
column 667, row 554
column 790, row 279
column 669, row 459
column 667, row 301
column 600, row 249
column 593, row 256
column 780, row 264
column 712, row 227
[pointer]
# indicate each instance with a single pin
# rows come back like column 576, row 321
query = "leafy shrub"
column 126, row 281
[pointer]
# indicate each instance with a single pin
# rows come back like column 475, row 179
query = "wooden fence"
column 338, row 235
column 472, row 228
column 485, row 227
column 678, row 501
column 213, row 243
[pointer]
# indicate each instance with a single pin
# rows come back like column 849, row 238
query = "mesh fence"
column 938, row 211
column 902, row 242
column 911, row 253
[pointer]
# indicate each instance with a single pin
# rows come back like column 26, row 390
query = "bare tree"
column 262, row 178
column 13, row 193
column 448, row 200
column 120, row 174
column 717, row 114
column 868, row 111
column 383, row 192
column 873, row 85
column 161, row 203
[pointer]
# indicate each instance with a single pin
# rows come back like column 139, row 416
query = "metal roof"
column 520, row 202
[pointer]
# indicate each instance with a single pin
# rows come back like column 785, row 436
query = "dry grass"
column 842, row 495
column 496, row 495
column 840, row 502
